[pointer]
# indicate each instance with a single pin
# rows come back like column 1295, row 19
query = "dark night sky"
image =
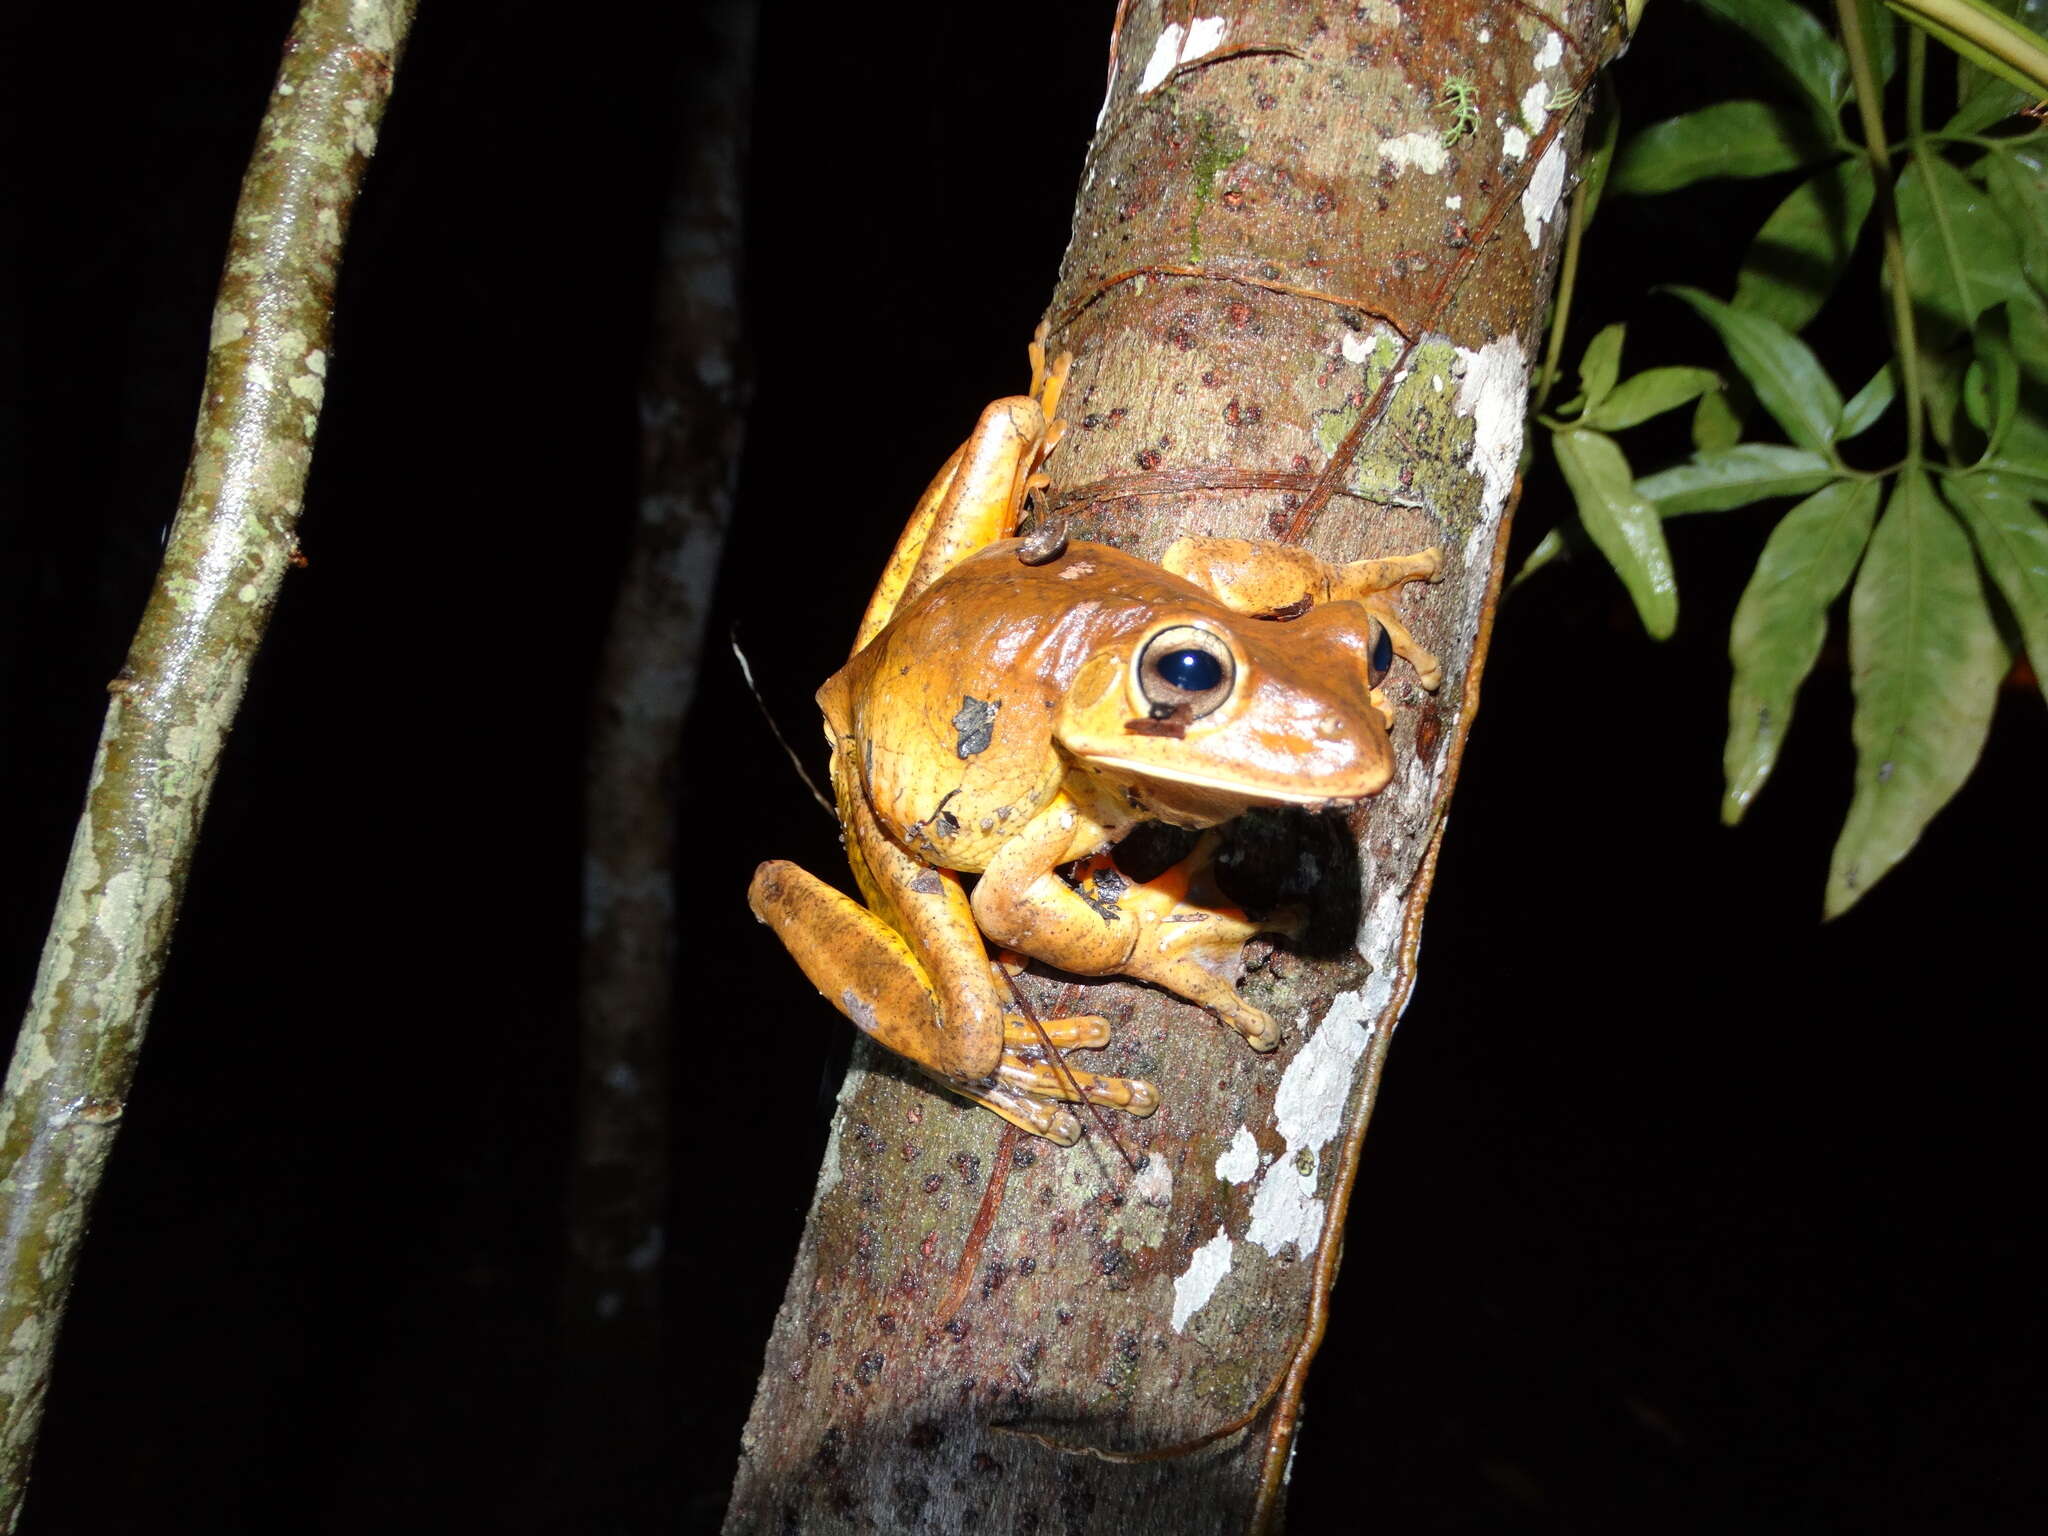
column 1680, row 1211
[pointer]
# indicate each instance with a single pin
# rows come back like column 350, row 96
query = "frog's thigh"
column 1188, row 939
column 928, row 911
column 980, row 505
column 862, row 966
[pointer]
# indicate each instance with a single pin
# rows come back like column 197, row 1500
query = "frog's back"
column 952, row 704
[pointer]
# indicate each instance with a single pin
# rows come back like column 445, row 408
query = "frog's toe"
column 1260, row 1030
column 1075, row 1032
column 1031, row 1073
column 1039, row 1114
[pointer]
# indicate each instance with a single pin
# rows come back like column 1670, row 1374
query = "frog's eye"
column 1382, row 655
column 1185, row 671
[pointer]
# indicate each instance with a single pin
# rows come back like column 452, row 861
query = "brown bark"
column 1303, row 294
column 176, row 696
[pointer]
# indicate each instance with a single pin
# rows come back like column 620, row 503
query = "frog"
column 1013, row 708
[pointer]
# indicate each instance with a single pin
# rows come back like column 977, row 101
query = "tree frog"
column 1013, row 708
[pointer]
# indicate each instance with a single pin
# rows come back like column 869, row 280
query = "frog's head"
column 1225, row 712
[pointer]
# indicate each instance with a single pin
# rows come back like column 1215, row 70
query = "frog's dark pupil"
column 1191, row 671
column 1383, row 652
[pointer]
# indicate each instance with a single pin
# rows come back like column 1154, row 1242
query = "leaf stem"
column 1567, row 280
column 1870, row 111
column 1916, row 89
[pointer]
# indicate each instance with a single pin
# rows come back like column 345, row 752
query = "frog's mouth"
column 1250, row 790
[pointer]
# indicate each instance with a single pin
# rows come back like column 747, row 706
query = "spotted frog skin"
column 1014, row 707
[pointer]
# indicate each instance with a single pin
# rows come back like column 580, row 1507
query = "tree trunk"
column 1309, row 263
column 692, row 412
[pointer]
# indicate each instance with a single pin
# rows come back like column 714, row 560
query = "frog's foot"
column 1027, row 1070
column 1032, row 1112
column 1048, row 383
column 1190, row 938
column 1429, row 671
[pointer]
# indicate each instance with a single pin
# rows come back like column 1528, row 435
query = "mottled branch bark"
column 174, row 699
column 692, row 416
column 1308, row 267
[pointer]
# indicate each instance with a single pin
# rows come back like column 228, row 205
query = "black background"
column 1680, row 1211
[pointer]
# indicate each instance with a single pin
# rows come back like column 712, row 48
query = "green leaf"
column 1730, row 138
column 2011, row 537
column 2022, row 448
column 1961, row 257
column 1735, row 477
column 1547, row 549
column 2017, row 179
column 1780, row 623
column 1622, row 523
column 1601, row 365
column 1991, row 387
column 1798, row 255
column 1788, row 379
column 1991, row 101
column 1925, row 660
column 1943, row 355
column 1715, row 422
column 1792, row 39
column 1985, row 36
column 1869, row 403
column 1650, row 393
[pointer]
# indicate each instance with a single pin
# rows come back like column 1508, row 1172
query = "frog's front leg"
column 1156, row 932
column 974, row 499
column 1258, row 577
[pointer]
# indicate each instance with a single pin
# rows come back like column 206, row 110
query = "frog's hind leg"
column 874, row 976
column 974, row 500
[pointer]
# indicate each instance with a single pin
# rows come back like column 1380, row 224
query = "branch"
column 174, row 699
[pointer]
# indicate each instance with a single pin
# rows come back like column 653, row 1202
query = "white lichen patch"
column 307, row 387
column 371, row 23
column 1356, row 348
column 1178, row 45
column 229, row 326
column 1495, row 381
column 1454, row 202
column 1424, row 152
column 1154, row 1184
column 1541, row 197
column 1513, row 142
column 1308, row 1112
column 1536, row 106
column 1550, row 51
column 1240, row 1160
column 1193, row 1287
